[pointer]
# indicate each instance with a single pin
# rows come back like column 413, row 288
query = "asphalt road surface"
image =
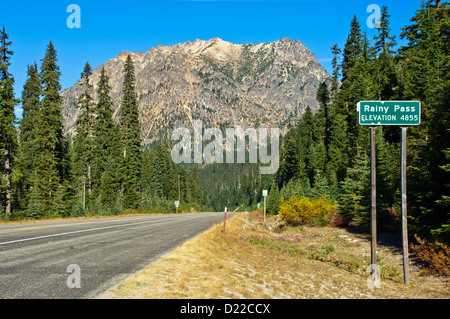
column 35, row 257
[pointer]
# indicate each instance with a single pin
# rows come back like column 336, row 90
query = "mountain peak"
column 285, row 39
column 216, row 39
column 219, row 82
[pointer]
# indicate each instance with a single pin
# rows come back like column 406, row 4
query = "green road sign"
column 401, row 113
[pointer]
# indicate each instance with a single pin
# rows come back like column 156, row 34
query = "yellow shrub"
column 303, row 211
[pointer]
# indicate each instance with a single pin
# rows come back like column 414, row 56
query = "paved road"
column 34, row 257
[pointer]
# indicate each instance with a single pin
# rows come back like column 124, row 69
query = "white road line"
column 84, row 230
column 69, row 223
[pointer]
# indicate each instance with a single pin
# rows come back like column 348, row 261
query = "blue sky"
column 110, row 27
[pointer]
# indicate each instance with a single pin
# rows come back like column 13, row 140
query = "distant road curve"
column 34, row 257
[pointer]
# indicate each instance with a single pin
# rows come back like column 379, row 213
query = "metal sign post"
column 373, row 216
column 177, row 204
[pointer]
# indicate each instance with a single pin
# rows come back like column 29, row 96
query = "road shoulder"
column 257, row 260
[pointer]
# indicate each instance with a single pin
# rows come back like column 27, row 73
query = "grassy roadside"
column 257, row 260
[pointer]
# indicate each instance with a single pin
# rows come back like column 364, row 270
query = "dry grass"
column 257, row 260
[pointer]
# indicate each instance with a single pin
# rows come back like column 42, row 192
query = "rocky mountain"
column 221, row 83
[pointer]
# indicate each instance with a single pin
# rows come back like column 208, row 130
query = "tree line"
column 101, row 169
column 327, row 153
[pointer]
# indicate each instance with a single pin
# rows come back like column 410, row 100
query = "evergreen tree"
column 111, row 178
column 354, row 201
column 318, row 151
column 194, row 185
column 8, row 139
column 336, row 71
column 336, row 146
column 103, row 127
column 306, row 145
column 131, row 139
column 33, row 210
column 384, row 40
column 352, row 49
column 385, row 81
column 425, row 70
column 158, row 171
column 170, row 184
column 27, row 147
column 108, row 150
column 49, row 136
column 273, row 200
column 337, row 152
column 147, row 171
column 289, row 158
column 83, row 144
column 323, row 97
column 355, row 86
column 384, row 74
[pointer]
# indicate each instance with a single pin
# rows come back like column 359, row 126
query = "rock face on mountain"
column 221, row 83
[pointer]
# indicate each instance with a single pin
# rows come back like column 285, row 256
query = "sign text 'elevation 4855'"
column 402, row 113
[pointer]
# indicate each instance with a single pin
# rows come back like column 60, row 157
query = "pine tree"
column 34, row 208
column 273, row 200
column 147, row 171
column 354, row 198
column 170, row 179
column 8, row 139
column 306, row 145
column 27, row 147
column 108, row 150
column 157, row 172
column 111, row 180
column 336, row 148
column 49, row 136
column 323, row 97
column 337, row 151
column 385, row 41
column 387, row 88
column 103, row 126
column 289, row 158
column 336, row 71
column 194, row 185
column 352, row 49
column 318, row 150
column 83, row 144
column 385, row 81
column 355, row 86
column 425, row 70
column 130, row 128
